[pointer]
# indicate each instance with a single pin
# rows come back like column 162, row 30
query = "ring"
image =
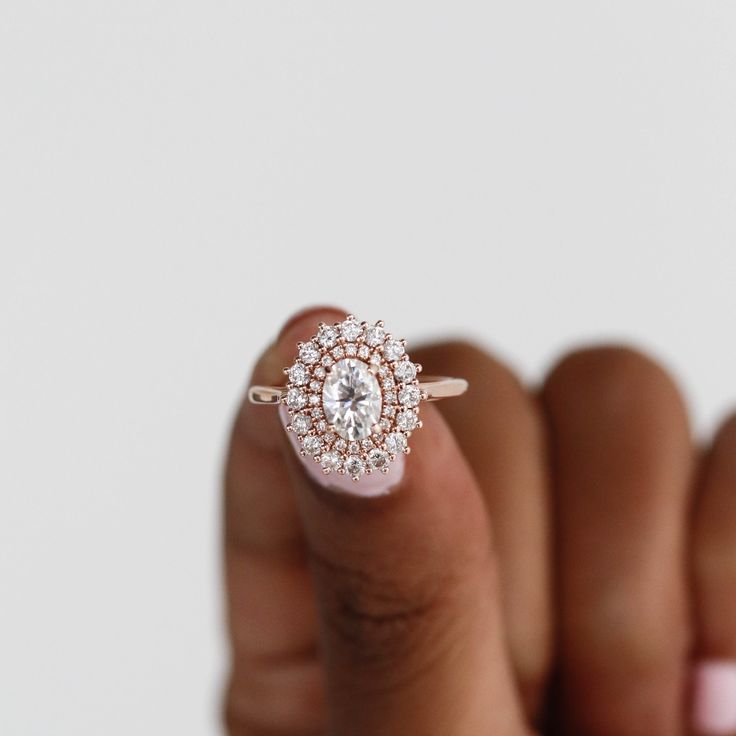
column 353, row 397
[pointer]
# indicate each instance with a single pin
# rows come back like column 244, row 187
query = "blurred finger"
column 622, row 455
column 714, row 576
column 500, row 430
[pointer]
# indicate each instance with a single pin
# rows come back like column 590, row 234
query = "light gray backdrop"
column 177, row 177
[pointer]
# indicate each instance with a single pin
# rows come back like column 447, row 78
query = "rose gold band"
column 435, row 387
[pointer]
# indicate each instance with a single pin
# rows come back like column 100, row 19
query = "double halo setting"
column 353, row 397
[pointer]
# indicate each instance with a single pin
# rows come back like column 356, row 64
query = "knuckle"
column 376, row 618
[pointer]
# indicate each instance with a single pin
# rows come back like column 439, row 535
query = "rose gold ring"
column 353, row 397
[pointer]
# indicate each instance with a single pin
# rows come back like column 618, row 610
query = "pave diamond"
column 410, row 395
column 354, row 466
column 393, row 349
column 298, row 374
column 327, row 336
column 330, row 460
column 351, row 330
column 309, row 353
column 395, row 443
column 405, row 371
column 406, row 420
column 312, row 444
column 377, row 458
column 296, row 398
column 301, row 423
column 375, row 335
column 351, row 399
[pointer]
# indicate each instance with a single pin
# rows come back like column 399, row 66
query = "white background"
column 176, row 178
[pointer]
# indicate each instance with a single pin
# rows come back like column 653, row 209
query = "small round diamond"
column 375, row 335
column 393, row 349
column 377, row 458
column 330, row 460
column 327, row 336
column 298, row 374
column 406, row 420
column 309, row 353
column 354, row 466
column 296, row 398
column 395, row 443
column 405, row 371
column 351, row 330
column 312, row 444
column 410, row 395
column 301, row 423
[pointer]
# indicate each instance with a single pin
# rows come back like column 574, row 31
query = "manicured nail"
column 714, row 705
column 375, row 484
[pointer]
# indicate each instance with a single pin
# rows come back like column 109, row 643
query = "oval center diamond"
column 351, row 399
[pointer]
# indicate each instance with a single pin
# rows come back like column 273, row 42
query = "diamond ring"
column 353, row 397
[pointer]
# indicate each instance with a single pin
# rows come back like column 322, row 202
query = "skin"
column 552, row 561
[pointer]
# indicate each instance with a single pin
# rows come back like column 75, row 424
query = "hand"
column 575, row 533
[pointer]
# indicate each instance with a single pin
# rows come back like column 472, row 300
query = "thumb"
column 408, row 594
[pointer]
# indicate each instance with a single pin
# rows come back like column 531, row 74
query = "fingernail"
column 375, row 484
column 714, row 704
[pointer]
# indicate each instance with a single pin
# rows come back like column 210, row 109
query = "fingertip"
column 301, row 325
column 606, row 365
column 297, row 328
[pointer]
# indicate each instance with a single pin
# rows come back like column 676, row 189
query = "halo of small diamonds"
column 353, row 357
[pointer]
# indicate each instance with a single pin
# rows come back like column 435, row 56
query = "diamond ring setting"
column 353, row 397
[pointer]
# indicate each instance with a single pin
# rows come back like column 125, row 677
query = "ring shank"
column 437, row 387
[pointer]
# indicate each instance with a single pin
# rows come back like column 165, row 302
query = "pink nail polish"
column 714, row 706
column 376, row 484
